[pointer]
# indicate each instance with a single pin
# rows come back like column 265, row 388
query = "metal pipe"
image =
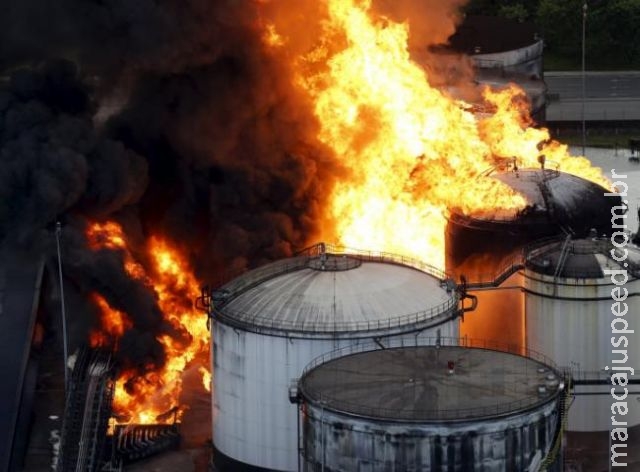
column 62, row 306
column 584, row 87
column 322, row 431
column 300, row 445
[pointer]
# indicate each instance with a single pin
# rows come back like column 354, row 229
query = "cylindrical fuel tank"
column 428, row 408
column 570, row 318
column 269, row 323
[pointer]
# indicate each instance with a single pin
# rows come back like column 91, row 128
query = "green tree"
column 523, row 10
column 561, row 24
column 614, row 33
column 514, row 11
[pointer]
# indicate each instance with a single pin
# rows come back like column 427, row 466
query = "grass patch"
column 556, row 62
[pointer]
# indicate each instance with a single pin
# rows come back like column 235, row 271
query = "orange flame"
column 413, row 151
column 142, row 399
column 113, row 324
column 206, row 378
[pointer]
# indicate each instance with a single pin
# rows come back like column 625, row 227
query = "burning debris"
column 143, row 399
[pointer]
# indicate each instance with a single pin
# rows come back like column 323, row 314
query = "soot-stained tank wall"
column 342, row 444
column 429, row 408
column 557, row 203
column 482, row 246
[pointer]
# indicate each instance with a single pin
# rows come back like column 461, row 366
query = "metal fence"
column 543, row 365
column 229, row 291
column 434, row 315
column 238, row 281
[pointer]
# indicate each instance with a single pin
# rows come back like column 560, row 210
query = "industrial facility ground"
column 588, row 452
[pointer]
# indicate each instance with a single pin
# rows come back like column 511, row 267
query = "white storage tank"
column 430, row 408
column 568, row 304
column 268, row 324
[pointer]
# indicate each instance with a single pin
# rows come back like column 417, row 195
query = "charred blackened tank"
column 487, row 250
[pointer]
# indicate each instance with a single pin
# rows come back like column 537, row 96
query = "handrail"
column 237, row 282
column 520, row 258
column 221, row 297
column 513, row 264
column 551, row 457
column 433, row 314
column 434, row 414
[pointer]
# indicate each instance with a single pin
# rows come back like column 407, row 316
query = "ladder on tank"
column 564, row 253
column 555, row 450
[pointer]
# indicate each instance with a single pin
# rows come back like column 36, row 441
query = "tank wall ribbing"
column 572, row 325
column 341, row 442
column 253, row 420
column 526, row 60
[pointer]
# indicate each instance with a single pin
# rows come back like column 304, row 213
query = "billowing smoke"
column 172, row 118
column 199, row 137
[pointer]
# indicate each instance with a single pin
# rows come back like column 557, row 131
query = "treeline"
column 612, row 27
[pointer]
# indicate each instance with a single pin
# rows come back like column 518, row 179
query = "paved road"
column 609, row 96
column 568, row 85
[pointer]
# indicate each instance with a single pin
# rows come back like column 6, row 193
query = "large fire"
column 413, row 151
column 140, row 399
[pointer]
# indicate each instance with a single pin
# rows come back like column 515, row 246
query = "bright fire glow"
column 412, row 150
column 176, row 289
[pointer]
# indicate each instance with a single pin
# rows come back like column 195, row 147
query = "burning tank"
column 486, row 250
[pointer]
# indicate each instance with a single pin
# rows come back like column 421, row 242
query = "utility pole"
column 64, row 314
column 584, row 81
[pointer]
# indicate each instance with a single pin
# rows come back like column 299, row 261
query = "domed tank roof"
column 583, row 259
column 331, row 293
column 555, row 199
column 430, row 383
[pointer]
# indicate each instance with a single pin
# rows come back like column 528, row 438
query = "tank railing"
column 543, row 362
column 587, row 375
column 247, row 280
column 374, row 256
column 255, row 277
column 519, row 260
column 435, row 315
column 578, row 247
column 435, row 341
column 563, row 420
column 453, row 414
column 512, row 265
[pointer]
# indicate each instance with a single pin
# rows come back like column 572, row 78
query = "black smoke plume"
column 168, row 117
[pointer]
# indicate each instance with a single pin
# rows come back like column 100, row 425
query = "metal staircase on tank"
column 551, row 461
column 564, row 253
